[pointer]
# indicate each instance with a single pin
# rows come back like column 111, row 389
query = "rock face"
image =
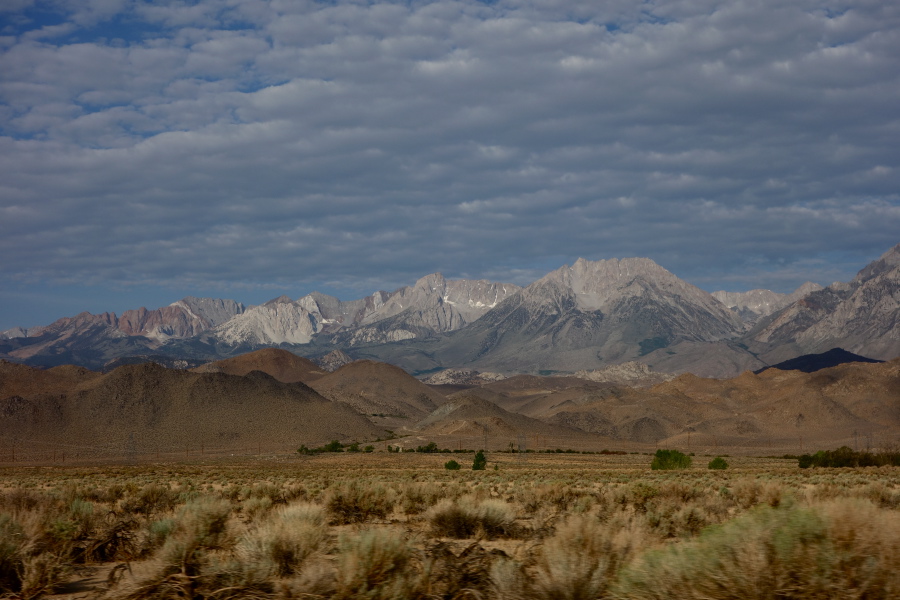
column 433, row 305
column 182, row 319
column 278, row 321
column 462, row 377
column 862, row 316
column 632, row 374
column 94, row 340
column 590, row 314
column 755, row 304
column 334, row 360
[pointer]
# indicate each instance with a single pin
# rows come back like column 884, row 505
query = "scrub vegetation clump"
column 389, row 526
column 668, row 460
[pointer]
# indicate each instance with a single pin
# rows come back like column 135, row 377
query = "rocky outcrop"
column 632, row 374
column 278, row 321
column 432, row 305
column 334, row 360
column 185, row 318
column 862, row 316
column 462, row 377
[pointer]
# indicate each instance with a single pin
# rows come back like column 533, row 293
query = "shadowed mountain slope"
column 810, row 363
column 147, row 408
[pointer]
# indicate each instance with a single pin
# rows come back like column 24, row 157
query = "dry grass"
column 398, row 527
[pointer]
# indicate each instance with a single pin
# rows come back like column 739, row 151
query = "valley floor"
column 395, row 525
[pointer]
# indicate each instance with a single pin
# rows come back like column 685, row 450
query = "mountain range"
column 580, row 317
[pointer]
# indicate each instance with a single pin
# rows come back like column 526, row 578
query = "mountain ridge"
column 584, row 316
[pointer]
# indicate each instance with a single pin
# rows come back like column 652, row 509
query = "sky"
column 246, row 149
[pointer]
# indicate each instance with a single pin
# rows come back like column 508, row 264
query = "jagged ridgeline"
column 583, row 317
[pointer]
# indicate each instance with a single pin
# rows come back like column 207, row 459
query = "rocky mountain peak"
column 598, row 285
column 283, row 299
column 805, row 289
column 435, row 282
column 888, row 261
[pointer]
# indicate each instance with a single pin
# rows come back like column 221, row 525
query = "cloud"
column 229, row 144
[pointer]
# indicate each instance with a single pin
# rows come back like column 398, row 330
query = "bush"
column 480, row 462
column 468, row 518
column 452, row 465
column 784, row 552
column 667, row 460
column 582, row 558
column 333, row 446
column 354, row 503
column 281, row 544
column 375, row 565
column 845, row 457
column 718, row 463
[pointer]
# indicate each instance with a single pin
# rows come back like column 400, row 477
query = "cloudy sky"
column 245, row 149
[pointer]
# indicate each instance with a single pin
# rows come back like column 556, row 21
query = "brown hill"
column 775, row 409
column 21, row 380
column 470, row 414
column 284, row 366
column 533, row 395
column 373, row 387
column 145, row 409
column 469, row 420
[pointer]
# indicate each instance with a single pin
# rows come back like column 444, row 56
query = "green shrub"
column 667, row 460
column 845, row 457
column 333, row 446
column 480, row 462
column 452, row 465
column 718, row 463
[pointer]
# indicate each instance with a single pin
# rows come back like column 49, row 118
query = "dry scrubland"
column 401, row 526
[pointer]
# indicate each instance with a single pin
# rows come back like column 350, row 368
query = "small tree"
column 333, row 446
column 452, row 465
column 480, row 462
column 718, row 463
column 666, row 460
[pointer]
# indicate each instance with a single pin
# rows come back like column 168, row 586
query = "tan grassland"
column 398, row 526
